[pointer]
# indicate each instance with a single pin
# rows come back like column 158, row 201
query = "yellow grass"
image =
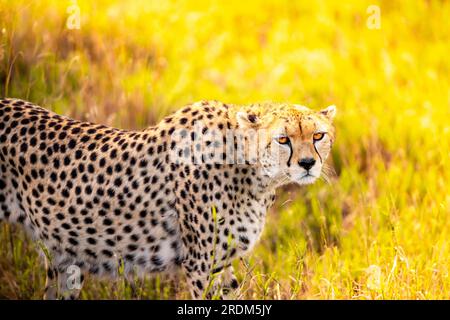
column 379, row 230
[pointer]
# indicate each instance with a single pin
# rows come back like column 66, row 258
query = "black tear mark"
column 290, row 155
column 317, row 152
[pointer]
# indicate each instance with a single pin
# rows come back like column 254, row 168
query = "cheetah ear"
column 329, row 112
column 247, row 120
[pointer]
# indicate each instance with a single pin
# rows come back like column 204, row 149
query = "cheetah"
column 190, row 193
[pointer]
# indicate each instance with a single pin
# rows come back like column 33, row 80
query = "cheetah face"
column 294, row 143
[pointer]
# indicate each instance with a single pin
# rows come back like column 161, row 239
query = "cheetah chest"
column 243, row 229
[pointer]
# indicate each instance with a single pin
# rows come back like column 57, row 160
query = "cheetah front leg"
column 197, row 279
column 207, row 276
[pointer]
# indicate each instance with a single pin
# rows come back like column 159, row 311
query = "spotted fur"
column 99, row 198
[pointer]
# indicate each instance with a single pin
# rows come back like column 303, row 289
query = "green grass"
column 379, row 230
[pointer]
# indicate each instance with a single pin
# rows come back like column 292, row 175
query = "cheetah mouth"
column 306, row 178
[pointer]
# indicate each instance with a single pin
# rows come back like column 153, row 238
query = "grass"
column 379, row 230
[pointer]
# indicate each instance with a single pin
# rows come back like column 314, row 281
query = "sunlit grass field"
column 379, row 230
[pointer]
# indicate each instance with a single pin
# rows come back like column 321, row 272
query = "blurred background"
column 379, row 230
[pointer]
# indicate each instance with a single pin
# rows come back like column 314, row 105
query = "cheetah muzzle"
column 189, row 193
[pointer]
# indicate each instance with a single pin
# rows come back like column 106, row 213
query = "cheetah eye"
column 282, row 139
column 318, row 136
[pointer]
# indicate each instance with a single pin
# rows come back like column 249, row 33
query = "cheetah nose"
column 307, row 163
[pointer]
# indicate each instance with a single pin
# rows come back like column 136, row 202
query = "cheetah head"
column 293, row 141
